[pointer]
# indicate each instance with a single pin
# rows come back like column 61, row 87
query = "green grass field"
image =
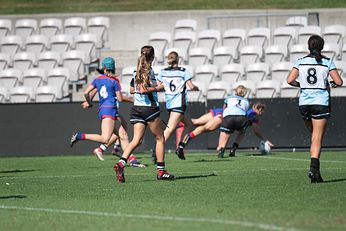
column 242, row 193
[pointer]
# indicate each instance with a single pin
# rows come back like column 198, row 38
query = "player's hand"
column 270, row 143
column 85, row 105
column 332, row 84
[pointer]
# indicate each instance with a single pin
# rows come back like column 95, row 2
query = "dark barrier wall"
column 45, row 129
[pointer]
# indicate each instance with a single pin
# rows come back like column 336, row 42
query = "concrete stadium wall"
column 45, row 129
column 130, row 30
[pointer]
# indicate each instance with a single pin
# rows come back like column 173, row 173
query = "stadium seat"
column 234, row 38
column 339, row 91
column 208, row 38
column 99, row 26
column 341, row 67
column 46, row 94
column 258, row 36
column 183, row 25
column 157, row 69
column 127, row 75
column 232, row 72
column 48, row 60
column 183, row 57
column 74, row 61
column 190, row 69
column 50, row 27
column 343, row 52
column 334, row 34
column 257, row 72
column 268, row 89
column 25, row 27
column 224, row 55
column 11, row 44
column 5, row 61
column 250, row 85
column 184, row 40
column 87, row 43
column 297, row 21
column 285, row 36
column 218, row 89
column 61, row 43
column 304, row 33
column 160, row 41
column 161, row 97
column 34, row 77
column 275, row 53
column 206, row 73
column 59, row 78
column 250, row 54
column 331, row 50
column 197, row 96
column 3, row 94
column 125, row 89
column 5, row 27
column 74, row 26
column 280, row 71
column 36, row 44
column 288, row 91
column 24, row 60
column 21, row 94
column 10, row 77
column 199, row 56
column 298, row 51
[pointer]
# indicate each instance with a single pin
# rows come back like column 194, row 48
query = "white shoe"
column 98, row 153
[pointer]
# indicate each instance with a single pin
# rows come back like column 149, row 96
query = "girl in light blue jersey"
column 174, row 80
column 234, row 117
column 310, row 73
column 145, row 113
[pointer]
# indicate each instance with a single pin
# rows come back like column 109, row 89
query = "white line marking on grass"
column 156, row 217
column 297, row 159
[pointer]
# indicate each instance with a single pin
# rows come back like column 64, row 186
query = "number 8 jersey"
column 313, row 79
column 174, row 80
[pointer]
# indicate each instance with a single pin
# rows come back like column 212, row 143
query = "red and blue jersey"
column 107, row 87
column 252, row 117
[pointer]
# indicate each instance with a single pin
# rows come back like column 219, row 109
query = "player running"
column 310, row 73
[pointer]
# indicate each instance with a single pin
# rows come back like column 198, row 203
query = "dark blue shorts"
column 216, row 112
column 108, row 112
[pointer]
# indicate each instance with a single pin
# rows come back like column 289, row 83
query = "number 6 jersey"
column 313, row 79
column 174, row 80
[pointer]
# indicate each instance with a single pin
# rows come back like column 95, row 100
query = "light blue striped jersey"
column 147, row 100
column 174, row 80
column 235, row 105
column 313, row 79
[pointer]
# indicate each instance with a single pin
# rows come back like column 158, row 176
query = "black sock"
column 160, row 166
column 235, row 146
column 182, row 144
column 315, row 164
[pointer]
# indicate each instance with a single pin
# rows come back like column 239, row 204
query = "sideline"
column 155, row 217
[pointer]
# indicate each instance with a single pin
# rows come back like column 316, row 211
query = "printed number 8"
column 312, row 78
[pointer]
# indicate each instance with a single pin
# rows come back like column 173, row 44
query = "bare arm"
column 88, row 99
column 334, row 74
column 292, row 76
column 119, row 96
column 192, row 86
column 259, row 134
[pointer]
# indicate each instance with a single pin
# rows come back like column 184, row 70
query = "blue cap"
column 108, row 63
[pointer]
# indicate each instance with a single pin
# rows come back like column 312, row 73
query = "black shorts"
column 143, row 114
column 180, row 110
column 309, row 112
column 231, row 123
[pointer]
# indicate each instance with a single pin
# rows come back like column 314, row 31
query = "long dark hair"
column 316, row 44
column 144, row 65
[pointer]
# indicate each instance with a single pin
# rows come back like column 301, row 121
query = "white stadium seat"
column 46, row 94
column 250, row 85
column 10, row 77
column 197, row 96
column 50, row 27
column 208, row 38
column 339, row 91
column 298, row 51
column 87, row 43
column 3, row 94
column 74, row 26
column 275, row 53
column 184, row 40
column 36, row 44
column 61, row 43
column 24, row 60
column 257, row 72
column 304, row 33
column 185, row 25
column 258, row 36
column 232, row 72
column 99, row 26
column 48, row 60
column 5, row 61
column 190, row 69
column 206, row 73
column 25, row 27
column 5, row 27
column 224, row 55
column 341, row 67
column 127, row 75
column 250, row 54
column 34, row 77
column 280, row 70
column 285, row 36
column 74, row 61
column 21, row 94
column 11, row 44
column 268, row 89
column 59, row 78
column 297, row 21
column 235, row 37
column 288, row 91
column 331, row 50
column 160, row 40
column 334, row 33
column 218, row 89
column 199, row 56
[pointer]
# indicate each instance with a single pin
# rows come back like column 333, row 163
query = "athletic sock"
column 160, row 167
column 122, row 162
column 189, row 137
column 103, row 147
column 181, row 144
column 235, row 146
column 133, row 159
column 80, row 136
column 315, row 164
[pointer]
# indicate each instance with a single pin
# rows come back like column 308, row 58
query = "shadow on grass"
column 18, row 170
column 335, row 180
column 13, row 197
column 216, row 160
column 194, row 176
